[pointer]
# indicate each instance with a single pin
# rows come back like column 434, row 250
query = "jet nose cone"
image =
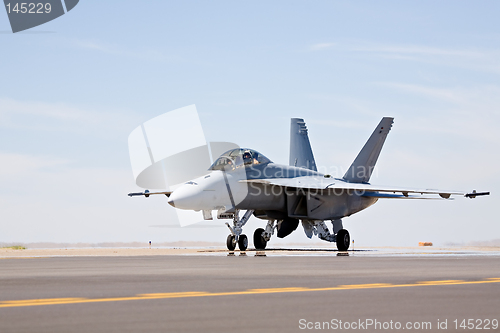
column 171, row 202
column 185, row 197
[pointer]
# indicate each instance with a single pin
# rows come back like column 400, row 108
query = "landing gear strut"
column 236, row 236
column 319, row 228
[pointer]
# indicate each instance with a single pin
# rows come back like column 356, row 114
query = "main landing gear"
column 262, row 236
column 319, row 228
column 343, row 240
column 236, row 236
column 258, row 240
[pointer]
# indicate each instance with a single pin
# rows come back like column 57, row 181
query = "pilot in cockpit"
column 247, row 158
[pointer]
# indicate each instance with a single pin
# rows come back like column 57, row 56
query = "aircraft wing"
column 323, row 183
column 147, row 193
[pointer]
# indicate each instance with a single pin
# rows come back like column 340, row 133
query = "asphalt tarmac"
column 217, row 292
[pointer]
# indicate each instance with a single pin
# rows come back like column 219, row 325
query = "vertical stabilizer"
column 362, row 167
column 301, row 154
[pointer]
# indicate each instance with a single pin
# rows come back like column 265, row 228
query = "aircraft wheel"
column 343, row 240
column 231, row 242
column 243, row 242
column 258, row 241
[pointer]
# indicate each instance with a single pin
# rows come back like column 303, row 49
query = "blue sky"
column 73, row 89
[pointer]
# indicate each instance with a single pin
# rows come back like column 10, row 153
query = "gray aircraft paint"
column 244, row 179
column 70, row 4
column 301, row 154
column 35, row 16
column 361, row 169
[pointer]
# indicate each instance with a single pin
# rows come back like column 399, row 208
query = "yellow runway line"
column 76, row 300
column 441, row 282
column 366, row 286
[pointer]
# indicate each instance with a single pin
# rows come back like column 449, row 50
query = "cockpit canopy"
column 239, row 157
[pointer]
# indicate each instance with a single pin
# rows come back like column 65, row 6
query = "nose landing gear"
column 236, row 236
column 231, row 242
column 243, row 242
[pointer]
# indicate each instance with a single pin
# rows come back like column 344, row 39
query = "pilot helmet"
column 247, row 157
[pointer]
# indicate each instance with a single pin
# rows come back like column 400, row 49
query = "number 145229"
column 476, row 324
column 29, row 8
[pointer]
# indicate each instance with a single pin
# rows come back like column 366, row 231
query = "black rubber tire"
column 258, row 241
column 343, row 240
column 242, row 242
column 231, row 242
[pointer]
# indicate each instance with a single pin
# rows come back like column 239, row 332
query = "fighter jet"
column 285, row 196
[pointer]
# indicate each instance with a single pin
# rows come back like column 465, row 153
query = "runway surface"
column 217, row 292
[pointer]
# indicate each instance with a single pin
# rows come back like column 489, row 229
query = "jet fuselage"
column 234, row 189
